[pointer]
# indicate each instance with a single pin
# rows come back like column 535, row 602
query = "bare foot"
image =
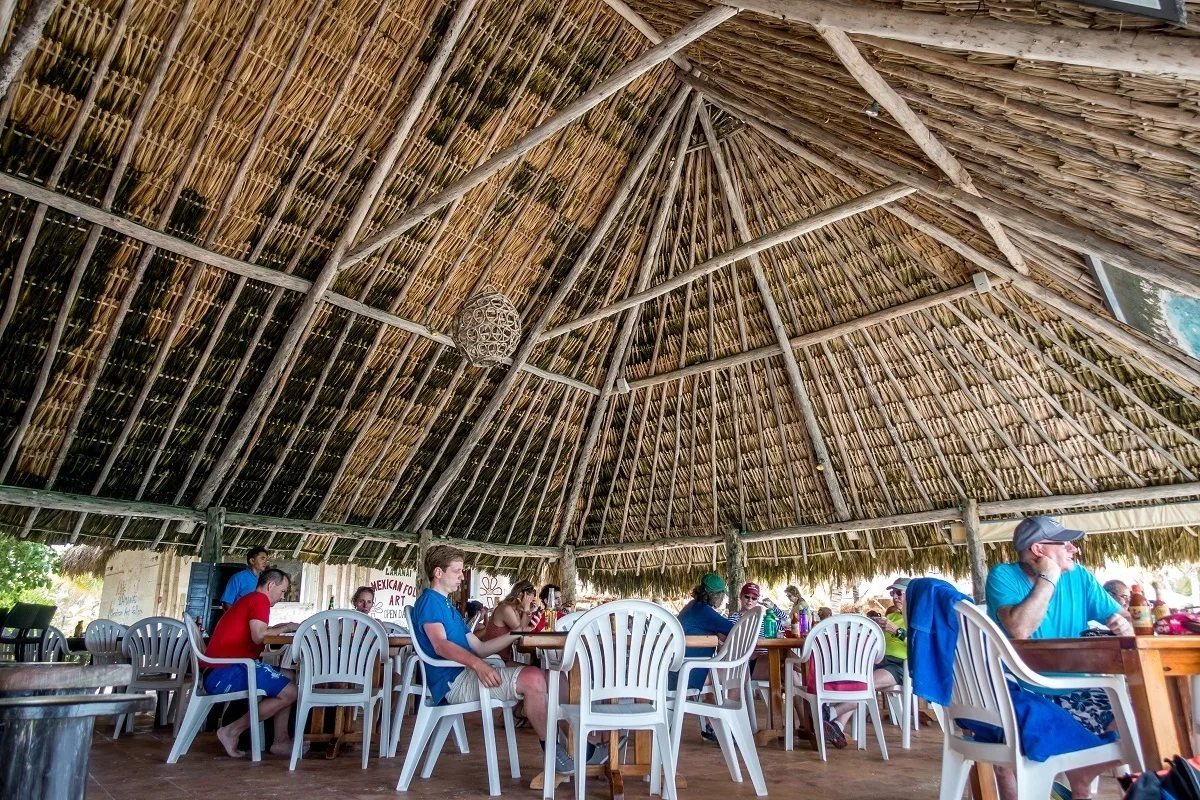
column 229, row 740
column 285, row 749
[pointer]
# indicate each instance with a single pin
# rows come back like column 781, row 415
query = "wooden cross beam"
column 874, row 199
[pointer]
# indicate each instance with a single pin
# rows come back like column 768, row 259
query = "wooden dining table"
column 613, row 771
column 345, row 727
column 1157, row 670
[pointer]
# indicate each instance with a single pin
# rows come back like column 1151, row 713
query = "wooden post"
column 211, row 546
column 423, row 543
column 570, row 575
column 735, row 571
column 975, row 550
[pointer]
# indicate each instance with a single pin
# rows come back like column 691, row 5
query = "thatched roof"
column 236, row 235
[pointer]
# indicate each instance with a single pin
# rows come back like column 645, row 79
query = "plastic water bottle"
column 770, row 627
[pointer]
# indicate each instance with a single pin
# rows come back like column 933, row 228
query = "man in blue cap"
column 1046, row 595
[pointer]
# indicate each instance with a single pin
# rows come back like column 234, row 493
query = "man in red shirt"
column 239, row 634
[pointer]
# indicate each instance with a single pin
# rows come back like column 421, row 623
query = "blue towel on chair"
column 932, row 637
column 1047, row 729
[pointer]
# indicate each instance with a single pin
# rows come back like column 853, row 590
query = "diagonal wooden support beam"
column 24, row 40
column 622, row 78
column 624, row 334
column 1139, row 53
column 887, row 97
column 874, row 199
column 303, row 316
column 803, row 401
column 530, row 341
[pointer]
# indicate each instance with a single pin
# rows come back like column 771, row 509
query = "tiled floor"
column 134, row 768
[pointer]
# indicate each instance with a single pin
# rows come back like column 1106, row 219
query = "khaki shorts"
column 465, row 688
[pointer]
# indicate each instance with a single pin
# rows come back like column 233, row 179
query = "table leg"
column 1151, row 705
column 1180, row 688
column 983, row 782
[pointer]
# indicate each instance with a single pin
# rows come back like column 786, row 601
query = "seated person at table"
column 561, row 609
column 749, row 598
column 246, row 581
column 475, row 610
column 823, row 613
column 1046, row 595
column 513, row 613
column 888, row 672
column 239, row 634
column 1119, row 591
column 364, row 600
column 440, row 630
column 702, row 617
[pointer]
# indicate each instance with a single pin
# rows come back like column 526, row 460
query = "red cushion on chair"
column 810, row 683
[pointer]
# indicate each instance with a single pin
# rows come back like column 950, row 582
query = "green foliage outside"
column 26, row 569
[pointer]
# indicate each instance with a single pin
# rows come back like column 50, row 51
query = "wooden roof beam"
column 887, row 97
column 255, row 272
column 1139, row 53
column 1075, row 238
column 585, row 103
column 815, row 337
column 797, row 229
column 803, row 401
column 24, row 40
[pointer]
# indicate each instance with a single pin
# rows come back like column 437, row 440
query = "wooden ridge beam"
column 894, row 104
column 841, row 211
column 1139, row 53
column 255, row 272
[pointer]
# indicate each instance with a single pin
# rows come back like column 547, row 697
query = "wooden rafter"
column 800, row 394
column 887, row 97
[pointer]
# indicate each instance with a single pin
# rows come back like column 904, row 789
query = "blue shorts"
column 232, row 678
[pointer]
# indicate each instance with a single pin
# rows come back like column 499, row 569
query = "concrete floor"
column 134, row 768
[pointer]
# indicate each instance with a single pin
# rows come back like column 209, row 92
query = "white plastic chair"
column 844, row 647
column 626, row 650
column 342, row 647
column 902, row 709
column 102, row 639
column 404, row 684
column 729, row 717
column 197, row 701
column 57, row 649
column 983, row 658
column 158, row 649
column 434, row 723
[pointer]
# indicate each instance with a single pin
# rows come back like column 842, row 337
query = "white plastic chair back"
column 56, row 647
column 844, row 648
column 736, row 652
column 625, row 649
column 394, row 629
column 425, row 657
column 102, row 639
column 980, row 692
column 195, row 653
column 339, row 646
column 157, row 646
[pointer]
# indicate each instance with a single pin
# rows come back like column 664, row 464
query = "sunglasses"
column 895, row 592
column 749, row 597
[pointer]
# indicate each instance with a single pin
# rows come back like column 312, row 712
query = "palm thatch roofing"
column 236, row 235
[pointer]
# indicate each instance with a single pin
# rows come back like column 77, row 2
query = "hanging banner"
column 392, row 594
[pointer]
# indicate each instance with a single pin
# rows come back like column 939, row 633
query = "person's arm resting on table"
column 259, row 630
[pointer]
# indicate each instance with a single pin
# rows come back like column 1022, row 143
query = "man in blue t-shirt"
column 1046, row 595
column 440, row 630
column 246, row 581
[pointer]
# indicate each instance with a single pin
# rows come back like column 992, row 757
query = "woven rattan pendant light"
column 487, row 328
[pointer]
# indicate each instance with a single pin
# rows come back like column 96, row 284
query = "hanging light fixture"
column 487, row 329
